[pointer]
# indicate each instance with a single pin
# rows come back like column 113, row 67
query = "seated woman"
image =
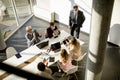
column 52, row 31
column 65, row 60
column 43, row 68
column 74, row 48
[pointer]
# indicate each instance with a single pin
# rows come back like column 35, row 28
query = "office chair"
column 71, row 70
column 10, row 51
column 81, row 58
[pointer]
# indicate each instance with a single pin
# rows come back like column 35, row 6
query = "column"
column 2, row 43
column 101, row 17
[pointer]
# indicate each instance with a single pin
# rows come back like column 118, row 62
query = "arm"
column 56, row 31
column 37, row 34
column 83, row 18
column 29, row 42
column 70, row 23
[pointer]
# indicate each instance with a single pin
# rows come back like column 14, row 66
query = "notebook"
column 18, row 55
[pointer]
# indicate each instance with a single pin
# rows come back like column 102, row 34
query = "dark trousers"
column 76, row 28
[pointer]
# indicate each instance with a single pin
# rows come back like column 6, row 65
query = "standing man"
column 76, row 20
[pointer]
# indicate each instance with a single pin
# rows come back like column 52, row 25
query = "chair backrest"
column 10, row 51
column 73, row 69
column 81, row 57
column 46, row 75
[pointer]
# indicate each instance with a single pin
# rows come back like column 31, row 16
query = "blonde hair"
column 64, row 55
column 28, row 28
column 74, row 41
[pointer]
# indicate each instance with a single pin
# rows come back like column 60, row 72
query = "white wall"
column 114, row 34
column 62, row 9
column 43, row 9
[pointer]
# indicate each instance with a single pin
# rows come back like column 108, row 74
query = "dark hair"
column 75, row 6
column 41, row 66
column 51, row 23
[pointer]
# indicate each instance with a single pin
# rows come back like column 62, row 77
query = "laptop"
column 42, row 44
column 56, row 47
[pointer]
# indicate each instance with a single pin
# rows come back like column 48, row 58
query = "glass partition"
column 23, row 9
column 13, row 13
column 7, row 18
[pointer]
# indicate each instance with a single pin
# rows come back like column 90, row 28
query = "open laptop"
column 42, row 44
column 56, row 47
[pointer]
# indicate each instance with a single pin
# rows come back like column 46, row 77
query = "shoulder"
column 48, row 70
column 48, row 28
column 56, row 27
column 80, row 12
column 26, row 34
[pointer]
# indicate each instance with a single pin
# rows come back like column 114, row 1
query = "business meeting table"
column 31, row 56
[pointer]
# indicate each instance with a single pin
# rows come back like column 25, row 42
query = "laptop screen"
column 42, row 44
column 55, row 46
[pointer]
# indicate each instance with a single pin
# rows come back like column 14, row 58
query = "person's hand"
column 46, row 64
column 40, row 33
column 44, row 60
column 67, row 43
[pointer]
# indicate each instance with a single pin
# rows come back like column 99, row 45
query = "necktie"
column 75, row 18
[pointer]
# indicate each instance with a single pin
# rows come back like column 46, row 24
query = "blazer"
column 80, row 18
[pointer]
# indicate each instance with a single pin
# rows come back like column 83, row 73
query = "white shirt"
column 76, row 15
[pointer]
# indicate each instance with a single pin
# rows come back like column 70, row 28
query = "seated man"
column 43, row 68
column 52, row 31
column 32, row 36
